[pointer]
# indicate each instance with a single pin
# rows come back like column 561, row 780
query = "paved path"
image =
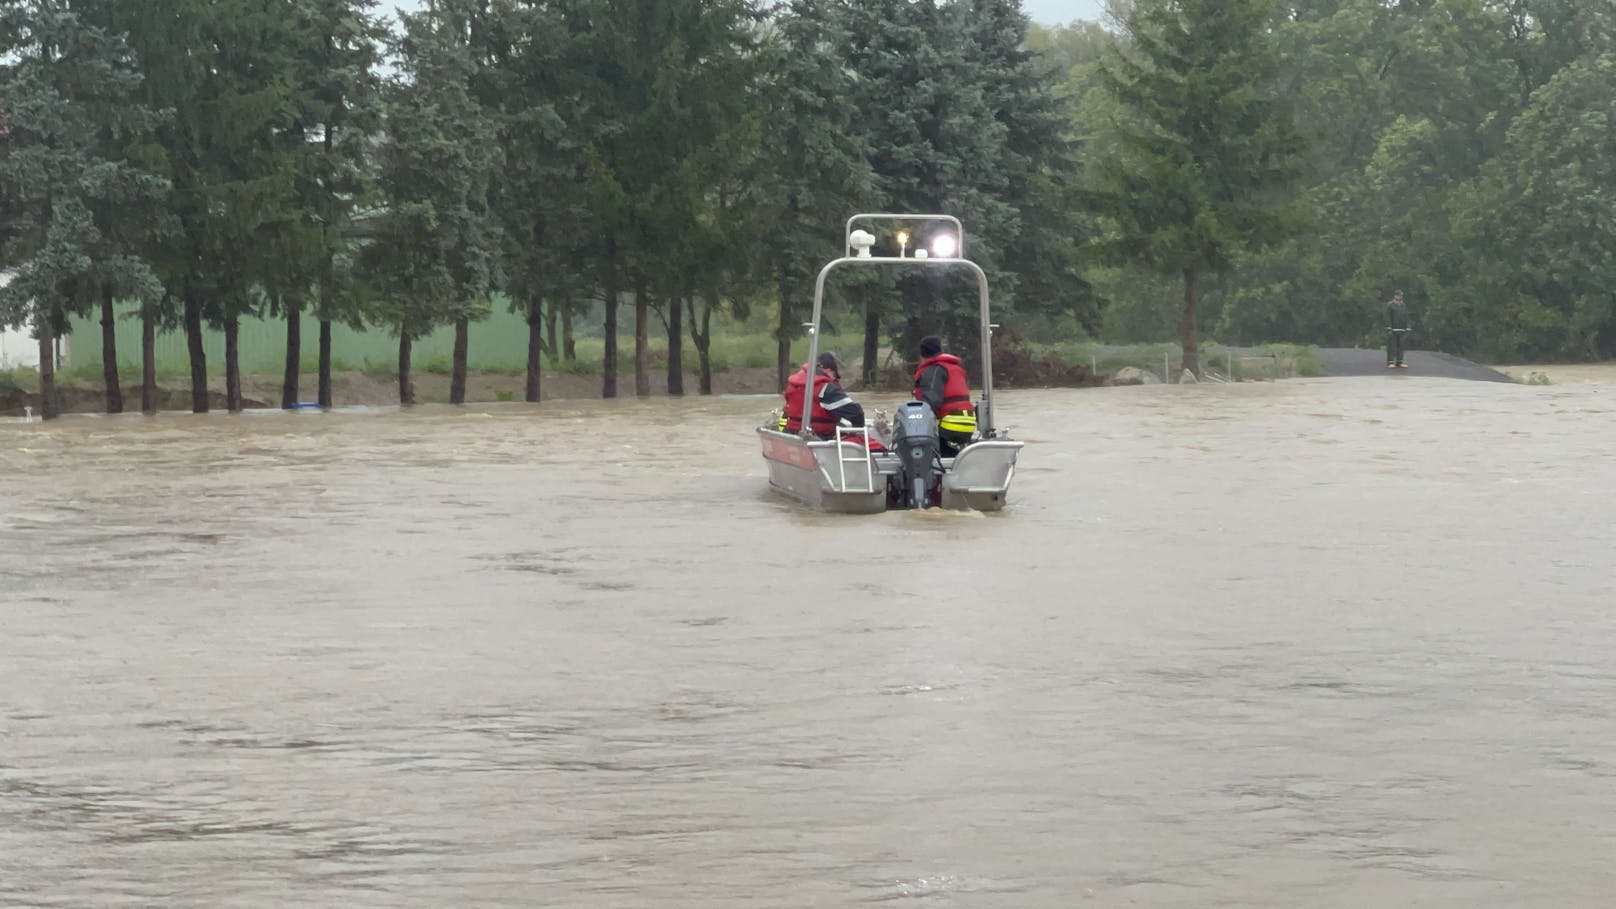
column 1349, row 361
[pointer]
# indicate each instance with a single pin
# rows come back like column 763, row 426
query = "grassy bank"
column 742, row 364
column 728, row 352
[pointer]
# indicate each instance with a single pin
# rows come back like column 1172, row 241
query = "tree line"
column 657, row 161
column 1263, row 169
column 1462, row 151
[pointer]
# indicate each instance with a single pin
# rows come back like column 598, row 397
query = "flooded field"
column 1318, row 643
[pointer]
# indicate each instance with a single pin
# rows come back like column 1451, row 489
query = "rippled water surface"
column 1321, row 643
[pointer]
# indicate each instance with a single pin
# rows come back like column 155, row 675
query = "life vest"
column 820, row 420
column 959, row 414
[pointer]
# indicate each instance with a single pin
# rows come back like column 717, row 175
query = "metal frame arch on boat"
column 984, row 416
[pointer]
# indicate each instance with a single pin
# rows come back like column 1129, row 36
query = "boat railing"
column 847, row 434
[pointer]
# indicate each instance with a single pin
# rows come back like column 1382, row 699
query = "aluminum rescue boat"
column 845, row 473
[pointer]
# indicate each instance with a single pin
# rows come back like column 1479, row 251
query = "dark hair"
column 931, row 346
column 827, row 360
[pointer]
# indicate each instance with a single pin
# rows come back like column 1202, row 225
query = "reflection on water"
column 1323, row 643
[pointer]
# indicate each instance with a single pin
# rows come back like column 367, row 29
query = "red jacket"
column 820, row 420
column 956, row 392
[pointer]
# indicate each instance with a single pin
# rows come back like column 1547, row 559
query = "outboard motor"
column 914, row 438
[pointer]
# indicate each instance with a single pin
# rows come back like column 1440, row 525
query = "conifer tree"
column 1206, row 153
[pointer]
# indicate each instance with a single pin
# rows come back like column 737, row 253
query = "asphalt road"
column 1349, row 361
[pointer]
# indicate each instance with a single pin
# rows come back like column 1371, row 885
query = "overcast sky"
column 1049, row 12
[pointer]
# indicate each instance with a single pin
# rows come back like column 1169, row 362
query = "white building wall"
column 19, row 347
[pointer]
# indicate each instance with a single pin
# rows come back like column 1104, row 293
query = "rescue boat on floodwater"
column 846, row 473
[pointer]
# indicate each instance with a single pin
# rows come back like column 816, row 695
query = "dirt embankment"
column 358, row 388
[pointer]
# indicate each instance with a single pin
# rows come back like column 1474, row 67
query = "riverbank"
column 1562, row 373
column 353, row 387
column 81, row 391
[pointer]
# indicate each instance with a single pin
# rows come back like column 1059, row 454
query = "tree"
column 529, row 89
column 1039, row 162
column 657, row 83
column 1206, row 156
column 935, row 144
column 435, row 256
column 709, row 102
column 957, row 116
column 336, row 116
column 220, row 67
column 1543, row 218
column 817, row 174
column 70, row 113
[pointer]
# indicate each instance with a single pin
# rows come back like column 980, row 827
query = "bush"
column 17, row 382
column 578, row 367
column 436, row 364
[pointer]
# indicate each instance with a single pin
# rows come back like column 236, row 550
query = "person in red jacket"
column 940, row 382
column 831, row 402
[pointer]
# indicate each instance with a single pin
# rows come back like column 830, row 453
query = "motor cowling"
column 915, row 440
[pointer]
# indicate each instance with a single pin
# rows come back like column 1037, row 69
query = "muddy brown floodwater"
column 1320, row 643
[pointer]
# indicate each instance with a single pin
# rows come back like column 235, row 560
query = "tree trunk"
column 535, row 347
column 47, row 369
column 676, row 344
column 872, row 342
column 784, row 330
column 294, row 356
column 642, row 345
column 551, row 350
column 782, row 350
column 148, row 358
column 199, row 356
column 704, row 341
column 457, row 376
column 1186, row 328
column 324, row 393
column 569, row 347
column 232, row 365
column 608, row 359
column 911, row 340
column 109, row 352
column 406, row 388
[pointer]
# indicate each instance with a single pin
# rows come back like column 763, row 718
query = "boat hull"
column 842, row 477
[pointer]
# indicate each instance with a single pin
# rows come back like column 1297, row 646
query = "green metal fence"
column 497, row 343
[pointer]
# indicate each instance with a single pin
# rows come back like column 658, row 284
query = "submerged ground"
column 1337, row 642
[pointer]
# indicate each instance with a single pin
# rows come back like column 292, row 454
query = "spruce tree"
column 434, row 259
column 1205, row 155
column 817, row 174
column 67, row 185
column 336, row 117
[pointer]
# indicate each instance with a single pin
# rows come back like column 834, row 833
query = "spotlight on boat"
column 943, row 246
column 861, row 240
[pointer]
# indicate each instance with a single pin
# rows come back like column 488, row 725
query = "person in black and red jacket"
column 831, row 402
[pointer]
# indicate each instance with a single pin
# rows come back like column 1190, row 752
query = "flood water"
column 1318, row 643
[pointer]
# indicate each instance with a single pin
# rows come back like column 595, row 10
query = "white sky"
column 1048, row 12
column 1060, row 12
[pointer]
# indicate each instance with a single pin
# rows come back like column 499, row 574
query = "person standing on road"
column 1396, row 326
